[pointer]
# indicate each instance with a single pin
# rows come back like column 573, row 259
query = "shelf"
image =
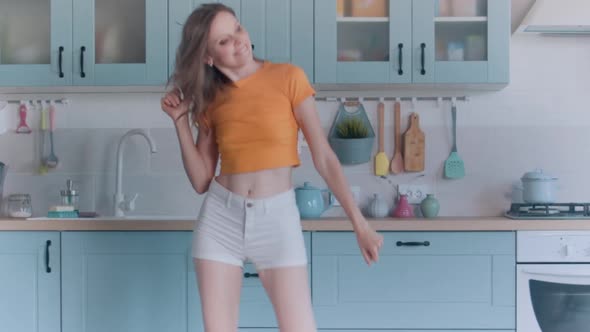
column 456, row 19
column 363, row 19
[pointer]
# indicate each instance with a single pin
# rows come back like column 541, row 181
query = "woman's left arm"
column 328, row 166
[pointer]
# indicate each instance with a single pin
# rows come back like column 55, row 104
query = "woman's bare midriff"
column 259, row 184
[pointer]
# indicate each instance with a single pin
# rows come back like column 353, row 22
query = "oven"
column 553, row 281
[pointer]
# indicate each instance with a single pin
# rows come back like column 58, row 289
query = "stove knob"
column 567, row 250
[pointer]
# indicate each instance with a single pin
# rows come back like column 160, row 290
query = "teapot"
column 310, row 201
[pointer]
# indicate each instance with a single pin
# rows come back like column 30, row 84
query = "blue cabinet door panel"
column 125, row 281
column 47, row 74
column 499, row 41
column 153, row 72
column 29, row 291
column 457, row 281
column 329, row 70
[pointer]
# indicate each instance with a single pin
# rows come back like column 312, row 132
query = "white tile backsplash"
column 540, row 120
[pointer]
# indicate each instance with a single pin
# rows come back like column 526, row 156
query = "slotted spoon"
column 454, row 167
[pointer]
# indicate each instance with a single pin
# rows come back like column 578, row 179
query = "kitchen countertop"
column 324, row 224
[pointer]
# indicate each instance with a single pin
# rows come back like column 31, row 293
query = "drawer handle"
column 47, row 267
column 422, row 59
column 413, row 244
column 60, row 60
column 82, row 73
column 400, row 47
column 250, row 275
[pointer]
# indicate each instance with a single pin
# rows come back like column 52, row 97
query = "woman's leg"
column 219, row 289
column 288, row 290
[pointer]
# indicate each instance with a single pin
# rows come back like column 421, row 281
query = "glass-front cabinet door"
column 120, row 42
column 363, row 41
column 35, row 42
column 461, row 41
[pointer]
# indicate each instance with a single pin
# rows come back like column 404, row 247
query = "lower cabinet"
column 125, row 281
column 30, row 281
column 423, row 280
column 143, row 281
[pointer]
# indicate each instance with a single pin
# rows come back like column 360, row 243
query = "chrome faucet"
column 123, row 202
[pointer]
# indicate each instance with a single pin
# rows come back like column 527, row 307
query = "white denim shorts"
column 233, row 229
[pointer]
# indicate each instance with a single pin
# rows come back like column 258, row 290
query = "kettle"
column 310, row 201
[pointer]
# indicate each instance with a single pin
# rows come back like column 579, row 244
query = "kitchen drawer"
column 437, row 280
column 380, row 330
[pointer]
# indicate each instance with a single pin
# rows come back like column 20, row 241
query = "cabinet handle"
column 400, row 47
column 61, row 51
column 82, row 73
column 422, row 60
column 47, row 267
column 413, row 244
column 250, row 275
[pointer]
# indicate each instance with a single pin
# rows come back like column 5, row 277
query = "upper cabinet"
column 280, row 30
column 83, row 42
column 412, row 41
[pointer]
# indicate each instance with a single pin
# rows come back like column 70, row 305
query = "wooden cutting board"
column 414, row 140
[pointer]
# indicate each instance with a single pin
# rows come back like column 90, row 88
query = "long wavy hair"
column 198, row 82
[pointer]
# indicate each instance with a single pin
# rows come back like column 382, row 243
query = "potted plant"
column 352, row 136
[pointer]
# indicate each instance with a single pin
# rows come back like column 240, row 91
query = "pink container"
column 403, row 208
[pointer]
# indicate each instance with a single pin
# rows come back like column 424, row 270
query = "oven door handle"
column 561, row 274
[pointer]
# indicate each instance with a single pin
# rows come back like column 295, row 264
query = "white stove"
column 553, row 281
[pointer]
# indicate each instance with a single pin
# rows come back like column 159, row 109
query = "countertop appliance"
column 553, row 281
column 549, row 211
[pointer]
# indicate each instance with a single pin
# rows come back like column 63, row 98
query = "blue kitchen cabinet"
column 30, row 281
column 83, row 42
column 256, row 311
column 280, row 30
column 470, row 44
column 353, row 48
column 423, row 280
column 35, row 42
column 412, row 41
column 126, row 281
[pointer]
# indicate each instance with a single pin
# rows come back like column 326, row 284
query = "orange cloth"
column 254, row 124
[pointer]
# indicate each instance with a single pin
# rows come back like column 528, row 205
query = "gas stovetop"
column 549, row 211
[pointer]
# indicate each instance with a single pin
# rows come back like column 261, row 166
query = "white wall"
column 540, row 120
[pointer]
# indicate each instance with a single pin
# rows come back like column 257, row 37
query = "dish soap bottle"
column 69, row 197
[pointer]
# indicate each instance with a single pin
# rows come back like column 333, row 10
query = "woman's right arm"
column 200, row 159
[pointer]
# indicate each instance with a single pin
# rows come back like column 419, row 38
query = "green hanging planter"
column 352, row 136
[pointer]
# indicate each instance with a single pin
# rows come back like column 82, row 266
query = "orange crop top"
column 253, row 121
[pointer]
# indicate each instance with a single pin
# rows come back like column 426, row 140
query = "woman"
column 248, row 113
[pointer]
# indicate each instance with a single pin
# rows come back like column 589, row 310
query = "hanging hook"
column 454, row 101
column 438, row 101
column 413, row 102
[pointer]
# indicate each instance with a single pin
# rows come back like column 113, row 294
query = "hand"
column 174, row 106
column 370, row 243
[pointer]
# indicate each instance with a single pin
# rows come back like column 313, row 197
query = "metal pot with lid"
column 538, row 187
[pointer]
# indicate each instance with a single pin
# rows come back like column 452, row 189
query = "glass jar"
column 19, row 206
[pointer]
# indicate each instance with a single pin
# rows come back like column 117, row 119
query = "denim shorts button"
column 249, row 204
